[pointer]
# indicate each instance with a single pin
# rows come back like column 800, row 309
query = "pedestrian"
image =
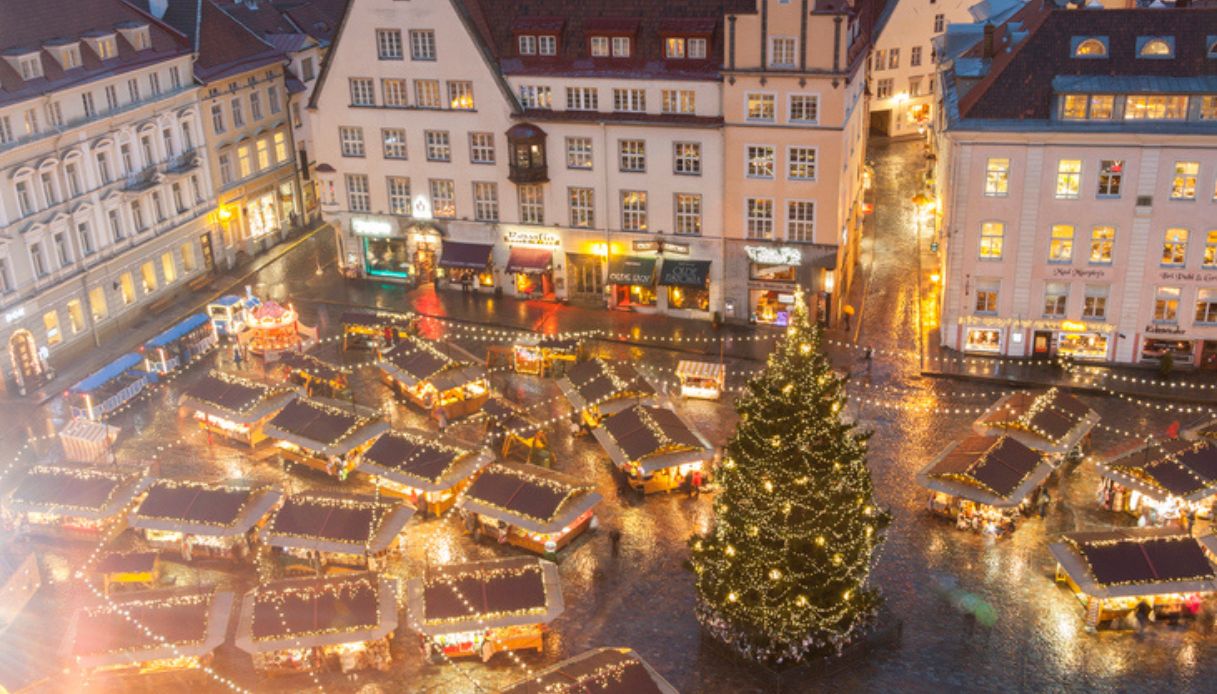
column 388, row 336
column 1191, row 520
column 1044, row 500
column 1143, row 611
column 236, row 356
column 695, row 484
column 615, row 541
column 847, row 313
column 441, row 418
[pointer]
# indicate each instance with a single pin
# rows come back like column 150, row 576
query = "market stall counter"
column 598, row 671
column 325, row 435
column 655, row 449
column 197, row 520
column 74, row 502
column 486, row 607
column 701, row 380
column 1052, row 422
column 109, row 388
column 302, row 624
column 544, row 355
column 1163, row 481
column 234, row 407
column 527, row 506
column 422, row 468
column 597, row 388
column 121, row 571
column 324, row 532
column 433, row 380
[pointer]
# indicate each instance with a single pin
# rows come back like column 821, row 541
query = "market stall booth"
column 1052, row 422
column 597, row 388
column 197, row 520
column 177, row 346
column 316, row 376
column 1112, row 572
column 701, row 380
column 544, row 355
column 527, row 506
column 73, row 502
column 983, row 482
column 1161, row 481
column 86, row 441
column 322, row 532
column 272, row 329
column 229, row 314
column 375, row 329
column 109, row 388
column 324, row 435
column 598, row 671
column 434, row 381
column 235, row 407
column 486, row 607
column 418, row 466
column 510, row 429
column 655, row 449
column 20, row 578
column 302, row 624
column 159, row 631
column 123, row 571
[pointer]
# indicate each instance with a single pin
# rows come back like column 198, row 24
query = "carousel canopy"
column 312, row 612
column 418, row 460
column 652, row 438
column 272, row 313
column 993, row 470
column 596, row 382
column 78, row 492
column 502, row 592
column 1053, row 421
column 598, row 671
column 343, row 525
column 1159, row 470
column 322, row 428
column 313, row 366
column 1135, row 562
column 192, row 622
column 203, row 509
column 234, row 398
column 412, row 361
column 531, row 498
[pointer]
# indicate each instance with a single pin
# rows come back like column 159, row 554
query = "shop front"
column 983, row 340
column 261, row 214
column 467, row 265
column 632, row 281
column 30, row 369
column 773, row 272
column 585, row 277
column 687, row 283
column 532, row 272
column 395, row 251
column 1155, row 347
column 1071, row 339
column 287, row 204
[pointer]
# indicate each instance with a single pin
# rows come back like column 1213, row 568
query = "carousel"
column 273, row 328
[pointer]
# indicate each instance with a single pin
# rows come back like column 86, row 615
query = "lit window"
column 633, row 210
column 532, row 204
column 687, row 158
column 801, row 163
column 1155, row 107
column 1183, row 185
column 460, row 96
column 1060, row 246
column 688, row 213
column 1166, row 305
column 1056, row 298
column 800, row 220
column 1090, row 48
column 351, row 139
column 992, row 240
column 1111, row 175
column 532, row 96
column 426, row 94
column 394, row 143
column 1210, row 249
column 1102, row 241
column 1156, row 48
column 481, row 148
column 1094, row 304
column 582, row 209
column 578, row 153
column 633, row 155
column 399, row 195
column 760, row 107
column 1068, row 179
column 997, row 178
column 804, row 108
column 1206, row 306
column 1174, row 248
column 760, row 161
column 443, row 198
column 986, row 296
column 674, row 47
column 630, row 100
column 438, row 146
column 679, row 101
column 759, row 218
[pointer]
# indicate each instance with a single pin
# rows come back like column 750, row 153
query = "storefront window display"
column 386, row 257
column 771, row 307
column 986, row 340
column 773, row 273
column 1083, row 346
column 689, row 297
column 287, row 199
column 633, row 280
column 1180, row 350
column 687, row 282
column 263, row 219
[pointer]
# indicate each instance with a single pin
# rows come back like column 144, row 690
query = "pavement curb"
column 1016, row 382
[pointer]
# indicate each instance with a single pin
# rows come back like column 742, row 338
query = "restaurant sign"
column 532, row 237
column 364, row 226
column 1163, row 329
column 661, row 246
column 774, row 255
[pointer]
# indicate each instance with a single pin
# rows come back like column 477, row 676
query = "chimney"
column 988, row 49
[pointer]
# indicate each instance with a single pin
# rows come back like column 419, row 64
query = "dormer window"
column 682, row 47
column 528, row 45
column 1090, row 47
column 66, row 52
column 674, row 47
column 621, row 46
column 547, row 45
column 136, row 34
column 104, row 46
column 31, row 66
column 600, row 46
column 1155, row 47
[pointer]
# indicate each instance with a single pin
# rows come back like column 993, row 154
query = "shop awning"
column 530, row 260
column 629, row 269
column 684, row 273
column 465, row 255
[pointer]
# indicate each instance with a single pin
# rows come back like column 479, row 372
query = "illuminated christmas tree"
column 784, row 572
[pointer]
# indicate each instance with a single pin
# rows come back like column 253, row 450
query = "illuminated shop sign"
column 774, row 255
column 532, row 237
column 364, row 226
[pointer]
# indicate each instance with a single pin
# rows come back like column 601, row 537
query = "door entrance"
column 1041, row 343
column 208, row 257
column 27, row 366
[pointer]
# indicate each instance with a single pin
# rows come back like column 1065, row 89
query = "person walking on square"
column 236, row 356
column 1044, row 500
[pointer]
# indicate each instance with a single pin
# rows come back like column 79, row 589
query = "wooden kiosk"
column 122, row 571
column 527, row 506
column 600, row 670
column 317, row 377
column 545, row 356
column 1052, row 422
column 235, row 407
column 322, row 532
column 513, row 600
column 1111, row 572
column 74, row 502
column 417, row 466
column 701, row 380
column 1162, row 480
column 197, row 520
column 597, row 388
column 432, row 380
column 653, row 447
column 508, row 428
column 301, row 624
column 324, row 435
column 375, row 329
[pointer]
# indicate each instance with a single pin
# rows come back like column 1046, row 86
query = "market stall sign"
column 363, row 226
column 774, row 255
column 532, row 237
column 632, row 270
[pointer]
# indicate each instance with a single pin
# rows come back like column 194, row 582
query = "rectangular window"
column 1056, row 298
column 238, row 116
column 158, row 208
column 534, row 96
column 85, row 235
column 6, row 277
column 782, row 52
column 633, row 155
column 621, row 46
column 1102, row 106
column 54, row 115
column 217, row 118
column 485, row 202
column 532, row 204
column 63, row 250
column 263, row 154
column 111, row 97
column 133, row 90
column 393, row 91
column 438, row 146
column 422, row 44
column 481, row 148
column 307, row 71
column 940, row 23
column 48, row 189
column 72, row 174
column 38, row 261
column 992, row 240
column 688, row 213
column 547, row 45
column 126, row 288
column 116, row 226
column 25, row 200
column 1111, row 175
column 1068, row 179
column 147, row 276
column 50, row 321
column 86, row 100
column 443, row 198
column 674, row 47
column 1210, row 249
column 76, row 316
column 696, row 49
column 137, row 216
column 399, row 195
column 883, row 88
column 394, row 140
column 582, row 208
column 600, row 46
column 1206, row 306
column 759, row 218
column 97, row 304
column 582, row 99
column 1060, row 245
column 175, row 77
column 460, row 95
column 1166, row 305
column 168, row 267
column 915, row 56
column 804, row 108
column 630, row 100
column 527, row 45
column 760, row 107
column 226, row 175
column 1208, row 107
column 893, row 59
column 187, row 251
column 362, row 92
column 1094, row 304
column 760, row 161
column 801, row 163
column 1183, row 185
column 880, row 59
column 280, row 147
column 255, row 106
column 1174, row 248
column 679, row 101
column 426, row 94
column 351, row 139
column 633, row 210
column 1102, row 242
column 686, row 158
column 1155, row 107
column 357, row 193
column 997, row 178
column 388, row 44
column 272, row 98
column 579, row 153
column 800, row 220
column 1073, row 107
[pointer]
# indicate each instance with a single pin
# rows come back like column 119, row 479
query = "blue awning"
column 179, row 331
column 108, row 373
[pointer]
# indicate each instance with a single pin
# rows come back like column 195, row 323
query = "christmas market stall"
column 336, row 533
column 160, row 631
column 303, row 624
column 73, row 502
column 317, row 377
column 508, row 428
column 701, row 380
column 1112, row 572
column 597, row 388
column 1163, row 481
column 178, row 345
column 418, row 466
column 983, row 482
column 20, row 578
column 542, row 355
column 1052, row 422
column 598, row 671
column 272, row 328
column 326, row 436
column 197, row 520
column 230, row 313
column 374, row 329
column 486, row 607
column 109, row 388
column 655, row 449
column 129, row 570
column 86, row 441
column 433, row 380
column 235, row 407
column 527, row 506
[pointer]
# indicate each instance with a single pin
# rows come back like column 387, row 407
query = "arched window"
column 1090, row 48
column 1155, row 48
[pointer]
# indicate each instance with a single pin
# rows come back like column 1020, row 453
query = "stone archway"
column 28, row 369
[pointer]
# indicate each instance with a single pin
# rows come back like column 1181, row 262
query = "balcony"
column 528, row 164
column 183, row 163
column 142, row 180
